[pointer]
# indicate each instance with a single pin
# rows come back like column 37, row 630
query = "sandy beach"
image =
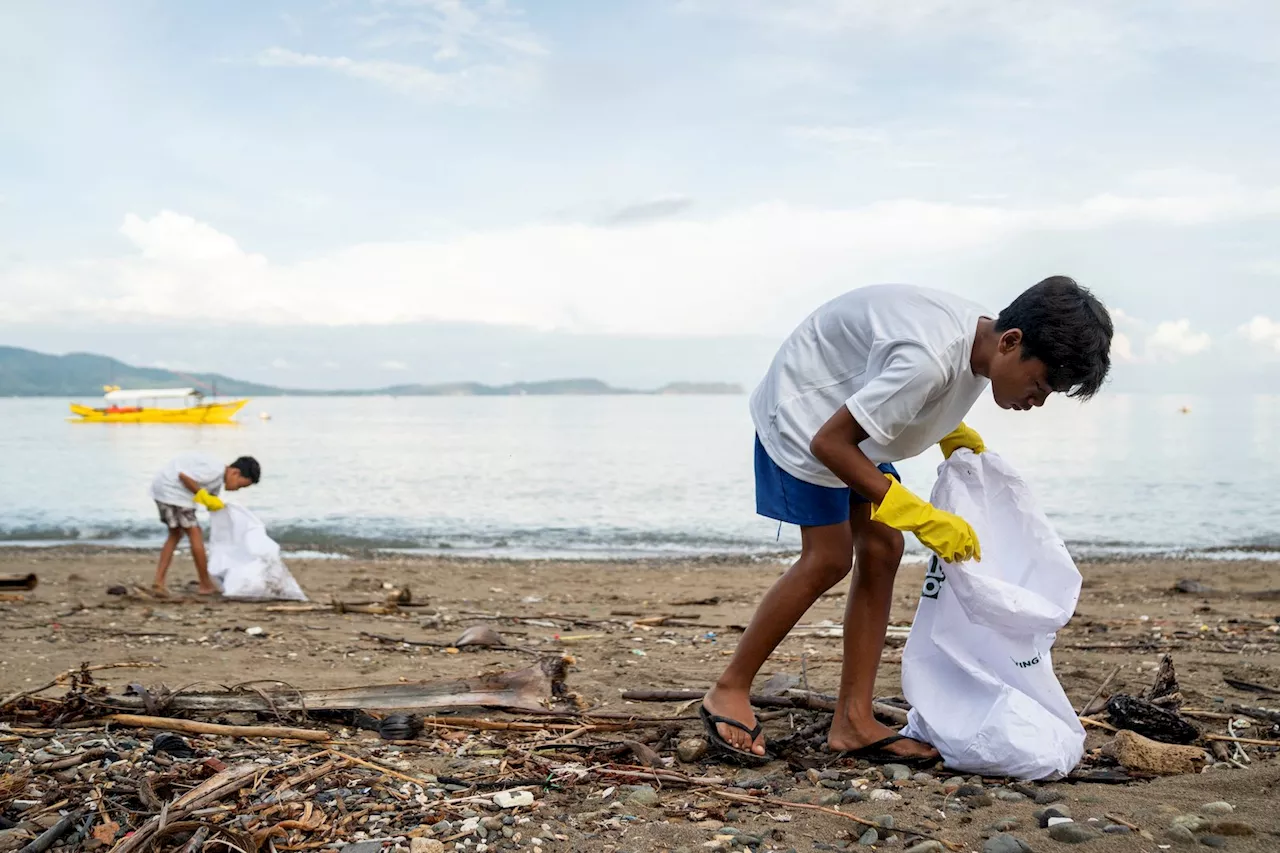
column 1129, row 615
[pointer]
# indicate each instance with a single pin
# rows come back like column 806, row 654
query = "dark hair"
column 249, row 467
column 1067, row 328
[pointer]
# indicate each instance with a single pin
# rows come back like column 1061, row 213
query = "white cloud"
column 1174, row 339
column 1122, row 348
column 393, row 365
column 482, row 50
column 754, row 270
column 1262, row 332
column 280, row 364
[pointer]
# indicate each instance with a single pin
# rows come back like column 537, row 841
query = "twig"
column 1084, row 709
column 1249, row 740
column 197, row 840
column 197, row 728
column 50, row 836
column 493, row 725
column 422, row 783
column 1121, row 821
column 71, row 760
column 9, row 700
column 1089, row 721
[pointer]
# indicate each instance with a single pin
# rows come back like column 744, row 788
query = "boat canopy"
column 118, row 396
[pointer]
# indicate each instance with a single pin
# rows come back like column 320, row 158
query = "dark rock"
column 400, row 727
column 363, row 847
column 1047, row 796
column 853, row 795
column 1005, row 844
column 1149, row 720
column 1116, row 829
column 1192, row 587
column 869, row 838
column 1042, row 815
column 1073, row 833
column 1216, row 841
column 970, row 791
column 1007, row 824
column 884, row 821
column 172, row 745
column 1181, row 835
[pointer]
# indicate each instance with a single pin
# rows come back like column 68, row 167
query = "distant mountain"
column 26, row 373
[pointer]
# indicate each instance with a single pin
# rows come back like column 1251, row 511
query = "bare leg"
column 826, row 555
column 166, row 557
column 878, row 551
column 206, row 586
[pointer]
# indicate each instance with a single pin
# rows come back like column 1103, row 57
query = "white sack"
column 245, row 561
column 977, row 668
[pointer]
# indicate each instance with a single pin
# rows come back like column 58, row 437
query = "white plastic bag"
column 977, row 668
column 245, row 561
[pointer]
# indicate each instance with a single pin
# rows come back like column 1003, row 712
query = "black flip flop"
column 877, row 754
column 722, row 747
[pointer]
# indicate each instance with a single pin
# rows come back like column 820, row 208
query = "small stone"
column 1231, row 827
column 1217, row 809
column 641, row 795
column 1005, row 844
column 1048, row 796
column 927, row 847
column 1054, row 821
column 884, row 821
column 1007, row 824
column 970, row 791
column 691, row 749
column 868, row 838
column 425, row 845
column 444, row 827
column 884, row 795
column 1181, row 835
column 255, row 631
column 1116, row 829
column 954, row 783
column 853, row 795
column 1043, row 815
column 1073, row 833
column 1216, row 841
column 924, row 778
column 896, row 772
column 813, row 775
column 363, row 847
column 979, row 802
column 492, row 824
column 1007, row 796
column 1193, row 822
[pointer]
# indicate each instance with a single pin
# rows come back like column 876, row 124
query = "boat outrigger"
column 130, row 407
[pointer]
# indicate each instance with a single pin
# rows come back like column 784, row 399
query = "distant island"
column 26, row 373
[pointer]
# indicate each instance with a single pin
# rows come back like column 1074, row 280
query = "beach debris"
column 23, row 582
column 1150, row 720
column 400, row 727
column 1165, row 691
column 172, row 744
column 479, row 635
column 1188, row 586
column 1144, row 755
column 535, row 688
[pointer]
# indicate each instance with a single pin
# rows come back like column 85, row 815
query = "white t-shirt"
column 895, row 355
column 206, row 471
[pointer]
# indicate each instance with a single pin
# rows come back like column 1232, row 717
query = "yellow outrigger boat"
column 129, row 407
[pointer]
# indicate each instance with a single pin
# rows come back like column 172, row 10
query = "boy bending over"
column 873, row 377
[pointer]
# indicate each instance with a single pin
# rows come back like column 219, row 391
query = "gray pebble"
column 1217, row 809
column 1116, row 829
column 896, row 772
column 1042, row 815
column 1181, row 835
column 924, row 778
column 1006, row 825
column 853, row 795
column 869, row 837
column 641, row 795
column 691, row 750
column 1047, row 796
column 927, row 847
column 884, row 821
column 1073, row 833
column 1215, row 841
column 1008, row 796
column 1005, row 844
column 363, row 847
column 970, row 791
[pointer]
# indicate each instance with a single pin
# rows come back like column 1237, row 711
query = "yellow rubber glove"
column 961, row 436
column 947, row 535
column 210, row 502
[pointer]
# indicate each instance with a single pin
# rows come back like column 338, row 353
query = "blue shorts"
column 783, row 497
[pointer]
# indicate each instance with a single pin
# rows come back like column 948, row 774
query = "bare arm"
column 192, row 485
column 836, row 446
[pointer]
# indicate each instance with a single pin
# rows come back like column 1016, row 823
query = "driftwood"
column 193, row 727
column 799, row 699
column 50, row 836
column 9, row 700
column 27, row 581
column 1150, row 720
column 218, row 787
column 532, row 689
column 1165, row 691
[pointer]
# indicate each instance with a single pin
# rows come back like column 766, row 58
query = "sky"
column 365, row 192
